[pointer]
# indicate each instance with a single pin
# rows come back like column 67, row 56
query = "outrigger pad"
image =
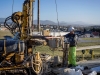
column 11, row 46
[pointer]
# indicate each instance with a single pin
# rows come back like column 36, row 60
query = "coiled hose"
column 37, row 66
column 12, row 27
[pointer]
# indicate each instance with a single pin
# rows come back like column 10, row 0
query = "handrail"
column 87, row 47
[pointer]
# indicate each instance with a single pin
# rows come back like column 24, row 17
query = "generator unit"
column 55, row 42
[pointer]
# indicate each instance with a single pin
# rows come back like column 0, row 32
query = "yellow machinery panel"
column 19, row 58
column 46, row 32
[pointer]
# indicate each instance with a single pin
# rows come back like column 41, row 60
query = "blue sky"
column 87, row 11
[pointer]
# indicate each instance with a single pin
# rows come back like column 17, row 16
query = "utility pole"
column 38, row 16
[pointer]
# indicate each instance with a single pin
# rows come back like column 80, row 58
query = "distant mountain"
column 80, row 23
column 45, row 22
column 2, row 19
column 48, row 22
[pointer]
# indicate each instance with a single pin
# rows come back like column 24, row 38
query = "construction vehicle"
column 16, row 55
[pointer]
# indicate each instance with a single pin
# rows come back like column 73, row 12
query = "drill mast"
column 27, row 18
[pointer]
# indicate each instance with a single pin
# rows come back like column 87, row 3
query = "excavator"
column 16, row 55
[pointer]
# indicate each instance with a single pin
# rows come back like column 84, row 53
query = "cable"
column 57, row 11
column 57, row 14
column 36, row 63
column 12, row 27
column 12, row 5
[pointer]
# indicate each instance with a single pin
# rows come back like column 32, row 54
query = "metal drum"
column 8, row 46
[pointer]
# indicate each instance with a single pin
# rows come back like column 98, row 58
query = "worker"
column 71, row 39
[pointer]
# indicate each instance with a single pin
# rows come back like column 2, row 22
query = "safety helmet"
column 71, row 29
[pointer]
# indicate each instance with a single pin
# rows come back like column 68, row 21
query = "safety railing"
column 87, row 54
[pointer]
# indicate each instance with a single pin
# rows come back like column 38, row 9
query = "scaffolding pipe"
column 30, row 15
column 38, row 16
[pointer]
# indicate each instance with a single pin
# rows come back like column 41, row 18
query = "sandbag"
column 67, row 71
column 93, row 73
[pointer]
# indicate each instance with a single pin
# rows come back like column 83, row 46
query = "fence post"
column 92, row 54
column 83, row 52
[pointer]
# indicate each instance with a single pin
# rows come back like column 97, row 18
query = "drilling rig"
column 16, row 55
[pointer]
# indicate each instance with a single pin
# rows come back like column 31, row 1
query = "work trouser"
column 72, row 56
